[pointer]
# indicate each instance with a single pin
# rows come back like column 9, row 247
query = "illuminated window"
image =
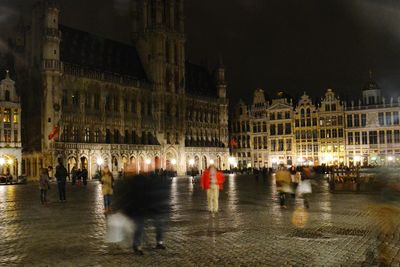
column 15, row 116
column 7, row 115
column 87, row 135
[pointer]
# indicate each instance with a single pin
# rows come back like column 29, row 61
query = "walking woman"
column 44, row 185
column 107, row 182
column 212, row 180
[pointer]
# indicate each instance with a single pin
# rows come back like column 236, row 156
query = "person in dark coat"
column 143, row 198
column 61, row 176
column 84, row 175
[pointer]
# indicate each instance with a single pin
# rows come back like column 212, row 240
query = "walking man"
column 61, row 176
column 212, row 180
column 282, row 179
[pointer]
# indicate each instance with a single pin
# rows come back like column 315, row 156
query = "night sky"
column 290, row 45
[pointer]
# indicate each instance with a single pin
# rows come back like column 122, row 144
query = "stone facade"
column 10, row 128
column 331, row 132
column 136, row 107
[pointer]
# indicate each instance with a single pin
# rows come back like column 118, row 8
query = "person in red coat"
column 212, row 180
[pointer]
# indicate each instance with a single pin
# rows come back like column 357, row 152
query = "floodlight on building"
column 173, row 161
column 357, row 158
column 2, row 161
column 390, row 158
column 274, row 160
column 100, row 161
column 231, row 160
column 10, row 162
column 147, row 161
column 191, row 162
column 211, row 161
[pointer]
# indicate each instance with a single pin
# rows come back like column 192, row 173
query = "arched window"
column 308, row 112
column 302, row 113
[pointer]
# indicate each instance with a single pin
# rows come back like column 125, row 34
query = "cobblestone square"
column 250, row 230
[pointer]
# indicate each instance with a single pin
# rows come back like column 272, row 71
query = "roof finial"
column 7, row 74
column 370, row 74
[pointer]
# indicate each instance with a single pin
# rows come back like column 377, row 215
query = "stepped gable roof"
column 100, row 54
column 199, row 81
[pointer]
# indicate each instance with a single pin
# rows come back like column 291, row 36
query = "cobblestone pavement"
column 251, row 229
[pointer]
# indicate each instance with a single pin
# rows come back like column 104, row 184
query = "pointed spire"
column 7, row 74
column 370, row 74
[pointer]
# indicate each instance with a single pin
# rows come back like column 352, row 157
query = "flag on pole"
column 54, row 133
column 233, row 143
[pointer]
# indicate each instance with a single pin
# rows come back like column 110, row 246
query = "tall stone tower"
column 158, row 34
column 44, row 55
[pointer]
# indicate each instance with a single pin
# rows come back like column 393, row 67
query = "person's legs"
column 282, row 198
column 209, row 199
column 138, row 234
column 159, row 226
column 41, row 196
column 215, row 198
column 63, row 191
column 60, row 194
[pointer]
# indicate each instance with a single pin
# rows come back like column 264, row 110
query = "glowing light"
column 211, row 161
column 2, row 161
column 374, row 158
column 300, row 160
column 274, row 160
column 231, row 160
column 147, row 161
column 10, row 161
column 191, row 162
column 390, row 158
column 357, row 158
column 173, row 161
column 100, row 161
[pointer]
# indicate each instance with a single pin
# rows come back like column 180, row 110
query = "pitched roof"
column 101, row 54
column 199, row 81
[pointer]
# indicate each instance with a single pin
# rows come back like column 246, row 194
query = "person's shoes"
column 138, row 251
column 160, row 246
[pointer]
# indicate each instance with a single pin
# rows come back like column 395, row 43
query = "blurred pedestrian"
column 107, row 182
column 74, row 173
column 305, row 188
column 282, row 180
column 294, row 179
column 61, row 176
column 212, row 180
column 144, row 198
column 44, row 185
column 84, row 175
column 79, row 177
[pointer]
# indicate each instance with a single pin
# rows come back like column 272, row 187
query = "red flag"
column 54, row 133
column 233, row 143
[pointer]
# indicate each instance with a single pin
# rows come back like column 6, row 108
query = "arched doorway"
column 71, row 162
column 204, row 162
column 197, row 163
column 157, row 163
column 83, row 163
column 141, row 165
column 114, row 164
column 170, row 162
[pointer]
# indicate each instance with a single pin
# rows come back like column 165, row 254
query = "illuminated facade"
column 136, row 107
column 10, row 127
column 331, row 132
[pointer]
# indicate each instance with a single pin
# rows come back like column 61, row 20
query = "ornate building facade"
column 136, row 107
column 331, row 132
column 10, row 127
